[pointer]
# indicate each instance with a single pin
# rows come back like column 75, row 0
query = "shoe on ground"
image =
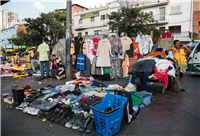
column 91, row 126
column 26, row 109
column 40, row 78
column 182, row 90
column 85, row 124
column 65, row 120
column 55, row 112
column 78, row 122
column 40, row 114
column 71, row 121
column 35, row 112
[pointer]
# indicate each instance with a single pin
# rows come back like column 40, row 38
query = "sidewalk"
column 170, row 113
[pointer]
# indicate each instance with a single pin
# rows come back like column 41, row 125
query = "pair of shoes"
column 39, row 78
column 71, row 121
column 31, row 110
column 88, row 125
column 51, row 114
column 56, row 116
column 22, row 106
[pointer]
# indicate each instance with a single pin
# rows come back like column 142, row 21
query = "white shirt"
column 145, row 44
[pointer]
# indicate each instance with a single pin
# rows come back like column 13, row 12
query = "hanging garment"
column 161, row 75
column 91, row 57
column 145, row 44
column 116, row 45
column 103, row 53
column 166, row 43
column 121, row 56
column 77, row 46
column 106, row 71
column 80, row 61
column 130, row 52
column 87, row 71
column 166, row 35
column 154, row 53
column 126, row 43
column 135, row 45
column 125, row 66
column 89, row 46
column 115, row 69
column 95, row 70
column 95, row 42
column 180, row 56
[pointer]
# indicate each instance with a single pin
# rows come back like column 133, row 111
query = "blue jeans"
column 32, row 63
column 42, row 68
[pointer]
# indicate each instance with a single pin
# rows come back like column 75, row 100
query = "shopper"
column 44, row 54
column 54, row 66
column 180, row 59
column 33, row 59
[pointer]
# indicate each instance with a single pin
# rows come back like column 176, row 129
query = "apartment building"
column 9, row 18
column 92, row 21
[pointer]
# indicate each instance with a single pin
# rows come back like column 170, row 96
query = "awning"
column 80, row 29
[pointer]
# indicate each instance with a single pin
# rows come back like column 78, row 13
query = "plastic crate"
column 108, row 124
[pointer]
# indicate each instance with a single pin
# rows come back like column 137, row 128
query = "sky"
column 32, row 8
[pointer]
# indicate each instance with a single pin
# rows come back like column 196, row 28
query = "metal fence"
column 184, row 34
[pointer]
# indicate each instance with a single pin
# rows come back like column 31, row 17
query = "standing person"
column 33, row 58
column 180, row 59
column 54, row 66
column 44, row 54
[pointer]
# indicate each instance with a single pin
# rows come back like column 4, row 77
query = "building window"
column 92, row 19
column 175, row 29
column 86, row 33
column 162, row 14
column 102, row 17
column 162, row 29
column 80, row 21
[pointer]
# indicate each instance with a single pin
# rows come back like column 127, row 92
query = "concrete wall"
column 6, row 34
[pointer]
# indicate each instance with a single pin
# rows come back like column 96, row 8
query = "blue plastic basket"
column 109, row 124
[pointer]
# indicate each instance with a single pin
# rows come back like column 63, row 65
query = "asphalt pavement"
column 169, row 114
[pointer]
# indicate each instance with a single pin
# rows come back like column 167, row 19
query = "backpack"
column 128, row 110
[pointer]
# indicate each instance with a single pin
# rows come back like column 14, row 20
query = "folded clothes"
column 97, row 84
column 91, row 93
column 136, row 100
column 64, row 88
column 50, row 91
column 113, row 86
column 142, row 94
column 147, row 100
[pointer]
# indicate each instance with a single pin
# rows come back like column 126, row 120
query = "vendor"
column 180, row 59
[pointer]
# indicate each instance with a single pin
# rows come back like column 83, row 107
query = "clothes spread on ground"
column 154, row 53
column 97, row 84
column 80, row 61
column 113, row 86
column 145, row 44
column 89, row 46
column 115, row 68
column 142, row 94
column 136, row 100
column 91, row 93
column 77, row 46
column 103, row 53
column 161, row 75
column 126, row 43
column 143, row 66
column 64, row 88
column 116, row 45
column 147, row 100
column 125, row 66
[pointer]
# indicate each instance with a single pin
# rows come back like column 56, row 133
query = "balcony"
column 183, row 36
column 162, row 18
column 149, row 3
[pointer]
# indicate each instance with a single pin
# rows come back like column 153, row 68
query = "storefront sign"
column 94, row 14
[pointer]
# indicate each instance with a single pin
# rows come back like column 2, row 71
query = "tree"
column 131, row 20
column 46, row 25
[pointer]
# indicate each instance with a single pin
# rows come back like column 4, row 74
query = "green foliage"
column 131, row 20
column 46, row 25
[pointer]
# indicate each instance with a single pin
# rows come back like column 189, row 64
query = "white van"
column 194, row 59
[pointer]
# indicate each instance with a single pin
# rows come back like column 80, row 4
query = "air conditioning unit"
column 196, row 32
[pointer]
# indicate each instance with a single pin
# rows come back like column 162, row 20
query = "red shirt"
column 166, row 35
column 54, row 63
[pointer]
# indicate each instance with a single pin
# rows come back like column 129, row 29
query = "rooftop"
column 73, row 5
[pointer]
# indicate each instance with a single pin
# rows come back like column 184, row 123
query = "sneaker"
column 35, row 112
column 53, row 113
column 26, row 109
column 31, row 110
column 79, row 120
column 24, row 106
column 21, row 105
column 91, row 126
column 68, row 118
column 56, row 116
column 40, row 114
column 71, row 121
column 182, row 90
column 85, row 124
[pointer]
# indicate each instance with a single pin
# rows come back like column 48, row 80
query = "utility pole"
column 68, row 59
